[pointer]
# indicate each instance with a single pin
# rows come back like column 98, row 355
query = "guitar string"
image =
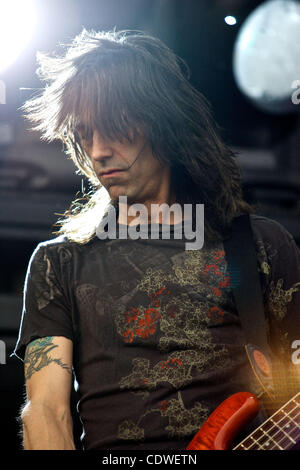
column 280, row 441
column 273, row 416
column 270, row 419
column 271, row 436
column 256, row 441
column 276, row 424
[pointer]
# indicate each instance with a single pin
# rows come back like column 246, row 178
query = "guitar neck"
column 279, row 432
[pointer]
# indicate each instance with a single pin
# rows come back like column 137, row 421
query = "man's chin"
column 115, row 197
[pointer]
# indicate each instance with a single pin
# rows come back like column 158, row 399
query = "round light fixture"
column 266, row 56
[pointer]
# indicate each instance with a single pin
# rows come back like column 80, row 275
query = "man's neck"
column 154, row 212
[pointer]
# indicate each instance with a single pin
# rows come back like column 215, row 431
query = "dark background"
column 37, row 181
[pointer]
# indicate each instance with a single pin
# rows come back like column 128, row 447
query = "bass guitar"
column 279, row 432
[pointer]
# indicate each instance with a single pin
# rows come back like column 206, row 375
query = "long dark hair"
column 125, row 82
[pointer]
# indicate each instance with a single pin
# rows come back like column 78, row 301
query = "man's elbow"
column 47, row 427
column 61, row 413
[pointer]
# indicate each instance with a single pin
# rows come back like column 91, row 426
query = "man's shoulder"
column 63, row 247
column 268, row 230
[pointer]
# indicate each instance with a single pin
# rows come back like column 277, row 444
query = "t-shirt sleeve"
column 284, row 289
column 46, row 309
column 283, row 302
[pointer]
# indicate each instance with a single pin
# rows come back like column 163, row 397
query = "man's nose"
column 99, row 148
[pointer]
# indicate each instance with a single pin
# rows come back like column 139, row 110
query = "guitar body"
column 219, row 430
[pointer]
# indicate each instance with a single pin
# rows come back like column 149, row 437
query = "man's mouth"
column 111, row 173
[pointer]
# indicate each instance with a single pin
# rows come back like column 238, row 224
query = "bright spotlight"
column 17, row 20
column 231, row 20
column 266, row 59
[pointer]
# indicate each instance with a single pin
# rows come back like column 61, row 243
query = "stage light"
column 230, row 20
column 17, row 21
column 266, row 58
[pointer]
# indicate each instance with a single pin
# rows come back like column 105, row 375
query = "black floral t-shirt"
column 157, row 339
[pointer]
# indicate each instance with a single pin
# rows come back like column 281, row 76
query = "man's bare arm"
column 46, row 417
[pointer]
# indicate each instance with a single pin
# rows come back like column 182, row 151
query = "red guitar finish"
column 219, row 430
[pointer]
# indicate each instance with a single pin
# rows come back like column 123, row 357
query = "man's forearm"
column 45, row 429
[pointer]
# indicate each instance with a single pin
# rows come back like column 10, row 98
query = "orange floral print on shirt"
column 142, row 322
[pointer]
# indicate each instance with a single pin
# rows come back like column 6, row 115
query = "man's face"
column 137, row 173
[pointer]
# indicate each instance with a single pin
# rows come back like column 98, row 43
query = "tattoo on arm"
column 37, row 356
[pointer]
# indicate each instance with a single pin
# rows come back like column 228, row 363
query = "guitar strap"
column 246, row 286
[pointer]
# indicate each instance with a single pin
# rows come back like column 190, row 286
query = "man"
column 149, row 328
